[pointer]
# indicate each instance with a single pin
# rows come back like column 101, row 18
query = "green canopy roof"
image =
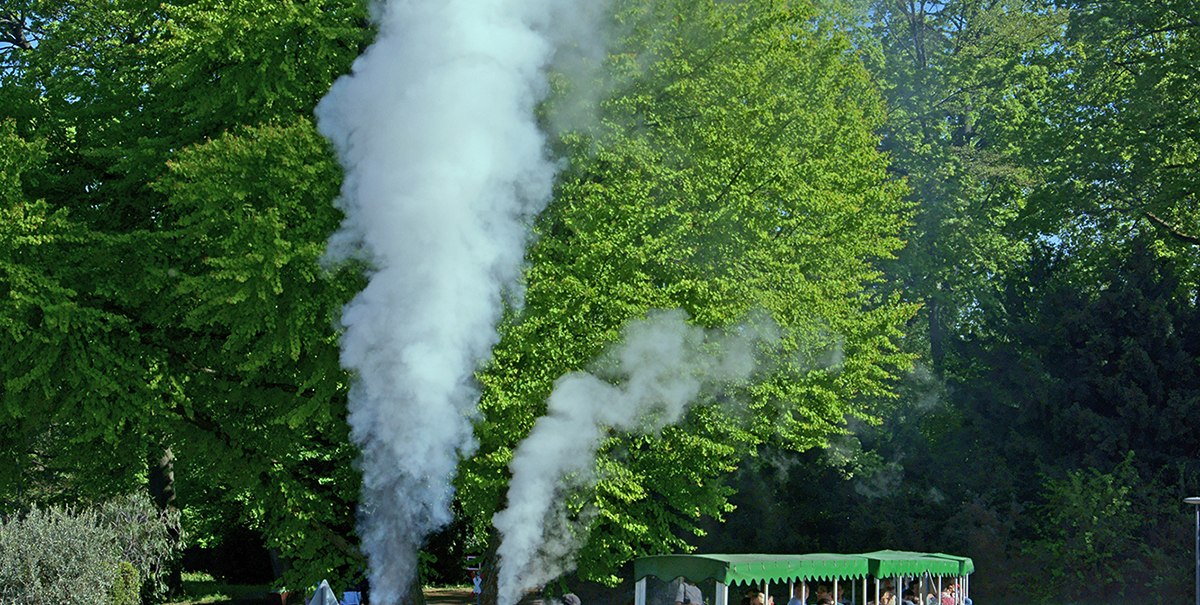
column 752, row 569
column 965, row 565
column 891, row 563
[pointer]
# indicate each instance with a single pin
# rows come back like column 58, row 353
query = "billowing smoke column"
column 662, row 365
column 444, row 170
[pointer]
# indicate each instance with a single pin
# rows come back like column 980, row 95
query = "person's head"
column 800, row 591
column 753, row 597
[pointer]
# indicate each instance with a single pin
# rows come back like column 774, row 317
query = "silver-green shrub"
column 56, row 556
column 144, row 537
column 83, row 557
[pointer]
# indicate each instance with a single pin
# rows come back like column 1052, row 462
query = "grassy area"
column 201, row 588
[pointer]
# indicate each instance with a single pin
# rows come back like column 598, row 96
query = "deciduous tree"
column 734, row 170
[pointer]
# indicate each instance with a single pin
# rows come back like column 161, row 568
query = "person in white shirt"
column 688, row 593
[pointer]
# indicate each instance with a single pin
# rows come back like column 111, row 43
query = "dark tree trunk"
column 937, row 339
column 162, row 491
column 415, row 595
column 162, row 479
column 279, row 565
column 488, row 567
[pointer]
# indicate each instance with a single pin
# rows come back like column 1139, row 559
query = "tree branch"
column 1172, row 230
column 12, row 31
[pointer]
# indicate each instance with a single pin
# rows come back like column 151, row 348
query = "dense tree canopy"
column 1121, row 148
column 1003, row 191
column 165, row 209
column 734, row 171
column 167, row 201
column 1046, row 149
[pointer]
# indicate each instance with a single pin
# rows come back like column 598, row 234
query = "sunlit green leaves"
column 1120, row 145
column 733, row 172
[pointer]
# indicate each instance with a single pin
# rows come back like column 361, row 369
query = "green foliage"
column 957, row 76
column 72, row 375
column 56, row 555
column 1106, row 368
column 1087, row 528
column 148, row 541
column 733, row 172
column 126, row 588
column 264, row 389
column 233, row 63
column 1036, row 137
column 1082, row 367
column 110, row 553
column 1120, row 141
column 203, row 588
column 165, row 202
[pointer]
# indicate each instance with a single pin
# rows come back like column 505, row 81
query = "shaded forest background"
column 1014, row 320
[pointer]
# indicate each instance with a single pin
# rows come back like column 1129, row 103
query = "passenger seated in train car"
column 823, row 592
column 688, row 593
column 841, row 597
column 755, row 597
column 799, row 594
column 947, row 595
column 956, row 593
column 885, row 598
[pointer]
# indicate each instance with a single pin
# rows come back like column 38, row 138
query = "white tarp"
column 323, row 595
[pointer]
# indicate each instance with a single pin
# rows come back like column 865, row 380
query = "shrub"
column 55, row 556
column 126, row 588
column 1087, row 532
column 147, row 538
column 60, row 555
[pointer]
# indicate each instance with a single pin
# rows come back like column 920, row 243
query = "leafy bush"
column 61, row 555
column 147, row 538
column 1087, row 528
column 49, row 557
column 126, row 589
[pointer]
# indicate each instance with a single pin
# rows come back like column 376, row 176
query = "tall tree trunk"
column 162, row 491
column 937, row 339
column 415, row 595
column 488, row 568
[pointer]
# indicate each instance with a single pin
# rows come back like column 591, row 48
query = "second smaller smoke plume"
column 662, row 365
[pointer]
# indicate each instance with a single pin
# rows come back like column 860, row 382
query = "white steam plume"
column 444, row 170
column 661, row 366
